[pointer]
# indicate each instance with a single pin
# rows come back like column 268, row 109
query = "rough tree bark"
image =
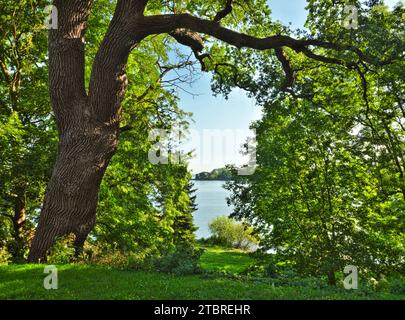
column 85, row 146
column 88, row 124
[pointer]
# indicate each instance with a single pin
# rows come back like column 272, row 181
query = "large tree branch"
column 285, row 63
column 129, row 26
column 5, row 72
column 66, row 60
column 192, row 40
column 188, row 38
column 192, row 26
column 169, row 23
column 224, row 12
column 108, row 80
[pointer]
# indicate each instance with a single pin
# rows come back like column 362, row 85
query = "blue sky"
column 238, row 111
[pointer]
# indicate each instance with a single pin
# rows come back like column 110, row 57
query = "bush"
column 183, row 260
column 397, row 286
column 227, row 232
column 263, row 265
column 5, row 256
column 100, row 254
column 62, row 252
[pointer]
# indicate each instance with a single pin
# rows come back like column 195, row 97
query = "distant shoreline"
column 220, row 174
column 193, row 179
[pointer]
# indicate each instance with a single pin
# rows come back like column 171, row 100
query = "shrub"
column 100, row 254
column 183, row 260
column 62, row 252
column 5, row 256
column 397, row 286
column 227, row 232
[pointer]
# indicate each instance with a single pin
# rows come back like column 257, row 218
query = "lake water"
column 211, row 202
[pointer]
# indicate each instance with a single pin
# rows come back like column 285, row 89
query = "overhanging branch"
column 289, row 72
column 224, row 12
column 169, row 23
column 186, row 28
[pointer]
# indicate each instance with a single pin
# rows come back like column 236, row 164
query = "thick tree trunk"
column 88, row 124
column 71, row 197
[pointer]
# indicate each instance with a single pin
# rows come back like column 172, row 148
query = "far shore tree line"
column 221, row 174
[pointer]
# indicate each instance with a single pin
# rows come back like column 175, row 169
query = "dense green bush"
column 266, row 266
column 397, row 286
column 5, row 256
column 182, row 260
column 227, row 232
column 99, row 254
column 62, row 251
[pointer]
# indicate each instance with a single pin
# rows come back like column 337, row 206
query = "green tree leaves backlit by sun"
column 329, row 187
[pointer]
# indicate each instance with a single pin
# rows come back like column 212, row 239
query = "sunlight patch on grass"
column 225, row 260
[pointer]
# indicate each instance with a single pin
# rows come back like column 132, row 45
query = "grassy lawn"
column 225, row 260
column 96, row 282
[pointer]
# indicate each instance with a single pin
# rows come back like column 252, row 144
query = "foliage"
column 183, row 260
column 144, row 209
column 225, row 231
column 4, row 256
column 62, row 251
column 328, row 189
column 27, row 131
column 397, row 286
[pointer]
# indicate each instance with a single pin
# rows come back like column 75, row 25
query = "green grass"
column 77, row 281
column 225, row 260
column 92, row 282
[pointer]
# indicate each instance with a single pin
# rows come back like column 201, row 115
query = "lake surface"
column 211, row 202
